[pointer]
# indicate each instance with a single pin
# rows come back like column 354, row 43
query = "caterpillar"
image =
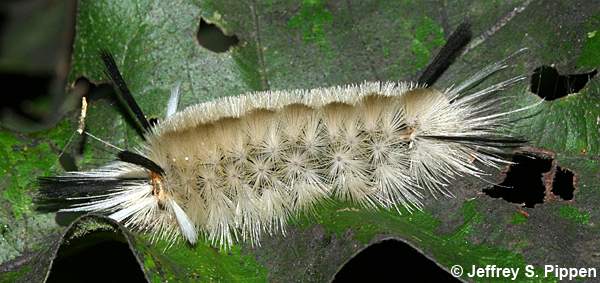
column 237, row 167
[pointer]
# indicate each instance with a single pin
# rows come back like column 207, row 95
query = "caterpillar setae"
column 238, row 167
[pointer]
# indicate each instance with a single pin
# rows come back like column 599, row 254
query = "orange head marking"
column 157, row 188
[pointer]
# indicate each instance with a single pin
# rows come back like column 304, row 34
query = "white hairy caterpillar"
column 238, row 167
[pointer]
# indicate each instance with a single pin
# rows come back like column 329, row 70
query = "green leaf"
column 288, row 45
column 23, row 232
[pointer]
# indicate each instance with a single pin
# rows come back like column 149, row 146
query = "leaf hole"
column 563, row 183
column 523, row 183
column 211, row 37
column 533, row 179
column 101, row 256
column 548, row 84
column 390, row 260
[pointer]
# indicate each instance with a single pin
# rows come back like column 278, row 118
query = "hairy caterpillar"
column 240, row 166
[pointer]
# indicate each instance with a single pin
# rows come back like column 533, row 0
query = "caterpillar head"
column 155, row 209
column 134, row 196
column 168, row 209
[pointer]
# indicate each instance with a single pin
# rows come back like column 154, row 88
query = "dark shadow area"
column 67, row 162
column 391, row 261
column 22, row 91
column 2, row 22
column 523, row 183
column 93, row 92
column 153, row 121
column 548, row 84
column 562, row 185
column 66, row 218
column 36, row 38
column 212, row 38
column 96, row 257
